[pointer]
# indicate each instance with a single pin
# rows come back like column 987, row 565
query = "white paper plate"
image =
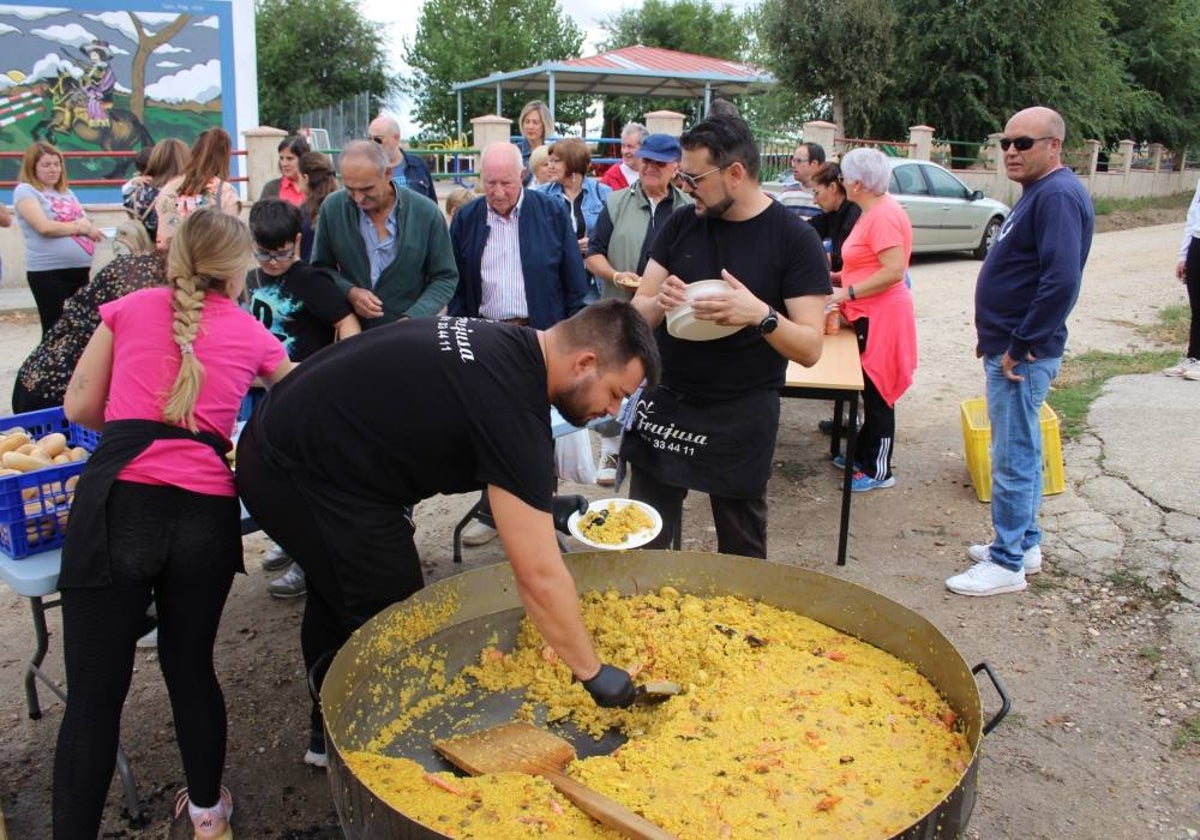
column 634, row 540
column 682, row 322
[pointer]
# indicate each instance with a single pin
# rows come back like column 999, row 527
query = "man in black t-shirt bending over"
column 711, row 424
column 435, row 405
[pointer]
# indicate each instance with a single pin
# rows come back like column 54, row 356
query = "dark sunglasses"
column 282, row 255
column 683, row 179
column 1023, row 144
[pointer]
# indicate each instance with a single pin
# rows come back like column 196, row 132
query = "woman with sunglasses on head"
column 155, row 517
column 838, row 214
column 287, row 186
column 875, row 300
column 60, row 240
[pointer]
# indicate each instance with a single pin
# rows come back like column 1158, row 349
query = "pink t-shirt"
column 891, row 355
column 884, row 226
column 232, row 346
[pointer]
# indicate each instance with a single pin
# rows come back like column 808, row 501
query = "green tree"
column 1163, row 45
column 964, row 68
column 691, row 26
column 313, row 53
column 836, row 49
column 461, row 40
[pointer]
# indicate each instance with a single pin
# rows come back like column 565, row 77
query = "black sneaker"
column 316, row 749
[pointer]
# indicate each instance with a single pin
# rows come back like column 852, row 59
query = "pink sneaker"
column 207, row 823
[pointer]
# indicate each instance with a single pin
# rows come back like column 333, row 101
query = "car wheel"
column 989, row 238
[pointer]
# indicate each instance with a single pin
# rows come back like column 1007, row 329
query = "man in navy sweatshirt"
column 1026, row 289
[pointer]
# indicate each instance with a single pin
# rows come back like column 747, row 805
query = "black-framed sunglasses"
column 282, row 255
column 691, row 182
column 1023, row 144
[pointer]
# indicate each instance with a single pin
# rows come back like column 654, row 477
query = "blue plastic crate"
column 38, row 523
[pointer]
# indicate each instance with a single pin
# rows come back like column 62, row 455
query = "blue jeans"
column 1014, row 414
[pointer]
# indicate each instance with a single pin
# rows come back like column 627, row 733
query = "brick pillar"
column 822, row 133
column 921, row 138
column 262, row 157
column 664, row 122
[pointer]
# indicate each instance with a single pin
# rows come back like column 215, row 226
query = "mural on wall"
column 104, row 80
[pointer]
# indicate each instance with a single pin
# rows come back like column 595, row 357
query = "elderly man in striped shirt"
column 517, row 258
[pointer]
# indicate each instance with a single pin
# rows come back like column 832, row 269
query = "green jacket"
column 421, row 279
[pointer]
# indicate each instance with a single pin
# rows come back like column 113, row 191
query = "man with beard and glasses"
column 427, row 406
column 711, row 424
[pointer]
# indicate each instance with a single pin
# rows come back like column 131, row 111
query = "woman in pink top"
column 875, row 299
column 156, row 516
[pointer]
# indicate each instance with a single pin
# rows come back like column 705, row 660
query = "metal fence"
column 344, row 121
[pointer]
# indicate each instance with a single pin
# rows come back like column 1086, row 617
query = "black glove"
column 611, row 688
column 561, row 508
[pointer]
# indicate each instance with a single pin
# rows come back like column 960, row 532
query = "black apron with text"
column 723, row 448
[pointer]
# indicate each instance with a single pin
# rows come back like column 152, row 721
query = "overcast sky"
column 400, row 19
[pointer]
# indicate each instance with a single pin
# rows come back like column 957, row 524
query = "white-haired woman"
column 624, row 173
column 156, row 517
column 875, row 300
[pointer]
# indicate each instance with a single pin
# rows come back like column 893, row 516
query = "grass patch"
column 1174, row 321
column 1188, row 734
column 1083, row 377
column 1151, row 654
column 1178, row 201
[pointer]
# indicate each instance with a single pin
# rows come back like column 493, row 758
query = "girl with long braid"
column 156, row 517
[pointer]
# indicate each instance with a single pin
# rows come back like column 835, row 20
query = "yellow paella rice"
column 787, row 728
column 614, row 523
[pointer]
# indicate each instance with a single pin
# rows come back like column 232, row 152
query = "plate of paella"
column 613, row 524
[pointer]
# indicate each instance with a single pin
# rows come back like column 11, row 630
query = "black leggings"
column 51, row 290
column 172, row 546
column 1191, row 277
column 877, row 435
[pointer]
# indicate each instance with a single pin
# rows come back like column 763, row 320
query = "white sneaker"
column 275, row 559
column 1032, row 561
column 478, row 534
column 291, row 585
column 606, row 473
column 1183, row 367
column 1193, row 373
column 986, row 579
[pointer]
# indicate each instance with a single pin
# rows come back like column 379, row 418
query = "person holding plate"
column 619, row 247
column 711, row 424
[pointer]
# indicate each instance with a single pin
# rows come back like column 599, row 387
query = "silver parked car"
column 945, row 214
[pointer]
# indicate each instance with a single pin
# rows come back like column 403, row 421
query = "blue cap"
column 660, row 147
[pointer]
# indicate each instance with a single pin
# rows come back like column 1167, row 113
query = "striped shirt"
column 502, row 295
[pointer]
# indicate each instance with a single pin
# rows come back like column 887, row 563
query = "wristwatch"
column 768, row 324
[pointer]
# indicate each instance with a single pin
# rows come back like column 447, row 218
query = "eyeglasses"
column 683, row 179
column 377, row 138
column 796, row 160
column 282, row 255
column 1023, row 144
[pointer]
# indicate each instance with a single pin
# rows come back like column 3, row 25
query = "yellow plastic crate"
column 977, row 441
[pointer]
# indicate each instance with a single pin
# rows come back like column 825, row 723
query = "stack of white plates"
column 682, row 323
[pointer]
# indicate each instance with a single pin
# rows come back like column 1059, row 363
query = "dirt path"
column 1099, row 686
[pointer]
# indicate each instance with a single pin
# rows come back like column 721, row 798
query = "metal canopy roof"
column 633, row 71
